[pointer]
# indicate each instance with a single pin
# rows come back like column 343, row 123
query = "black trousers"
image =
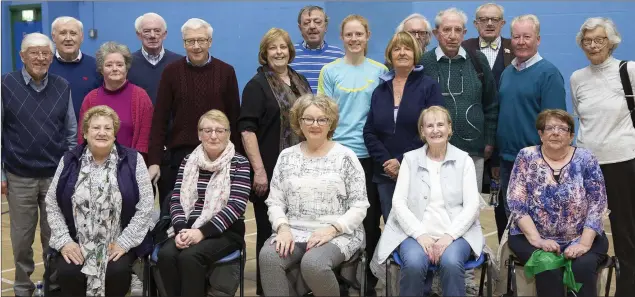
column 501, row 210
column 549, row 283
column 620, row 191
column 371, row 222
column 264, row 231
column 184, row 272
column 118, row 275
column 169, row 169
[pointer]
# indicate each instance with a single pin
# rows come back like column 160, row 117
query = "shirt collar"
column 79, row 56
column 209, row 60
column 28, row 78
column 530, row 62
column 148, row 56
column 306, row 46
column 439, row 52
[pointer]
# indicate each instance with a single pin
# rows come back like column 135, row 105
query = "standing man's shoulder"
column 334, row 49
column 471, row 43
column 170, row 55
column 222, row 65
column 549, row 67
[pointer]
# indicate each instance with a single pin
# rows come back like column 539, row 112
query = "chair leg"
column 388, row 263
column 490, row 285
column 243, row 257
column 362, row 289
column 483, row 272
column 47, row 276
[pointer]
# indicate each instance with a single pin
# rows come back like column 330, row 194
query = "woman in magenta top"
column 131, row 102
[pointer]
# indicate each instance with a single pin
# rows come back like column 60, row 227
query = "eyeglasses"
column 201, row 42
column 320, row 122
column 556, row 129
column 597, row 40
column 35, row 54
column 447, row 31
column 419, row 33
column 485, row 20
column 218, row 131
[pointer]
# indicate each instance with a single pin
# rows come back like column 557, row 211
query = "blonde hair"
column 271, row 36
column 216, row 116
column 362, row 20
column 434, row 110
column 527, row 18
column 101, row 111
column 403, row 39
column 323, row 102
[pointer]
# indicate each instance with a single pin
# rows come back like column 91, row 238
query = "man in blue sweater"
column 149, row 61
column 38, row 127
column 531, row 85
column 79, row 69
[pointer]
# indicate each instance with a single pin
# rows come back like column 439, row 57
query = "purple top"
column 121, row 101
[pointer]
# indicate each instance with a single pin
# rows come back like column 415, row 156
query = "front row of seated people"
column 101, row 198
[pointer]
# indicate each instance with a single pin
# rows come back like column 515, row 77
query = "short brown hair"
column 216, row 116
column 436, row 110
column 559, row 114
column 112, row 47
column 101, row 111
column 406, row 39
column 270, row 37
column 362, row 20
column 310, row 9
column 323, row 102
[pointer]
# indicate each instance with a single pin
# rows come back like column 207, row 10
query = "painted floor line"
column 6, row 281
column 12, row 269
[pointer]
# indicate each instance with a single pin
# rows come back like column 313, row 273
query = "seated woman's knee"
column 313, row 262
column 268, row 254
column 451, row 262
column 120, row 268
column 66, row 270
column 414, row 260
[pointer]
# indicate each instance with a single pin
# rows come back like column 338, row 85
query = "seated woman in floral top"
column 317, row 203
column 557, row 200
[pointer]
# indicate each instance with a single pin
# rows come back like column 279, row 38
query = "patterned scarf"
column 285, row 97
column 218, row 188
column 97, row 208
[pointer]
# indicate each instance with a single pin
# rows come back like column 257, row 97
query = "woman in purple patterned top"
column 557, row 200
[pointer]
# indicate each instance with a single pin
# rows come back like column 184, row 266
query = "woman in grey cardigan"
column 435, row 209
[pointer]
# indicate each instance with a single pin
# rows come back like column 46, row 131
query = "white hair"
column 500, row 8
column 151, row 15
column 195, row 23
column 35, row 39
column 452, row 10
column 609, row 27
column 413, row 16
column 527, row 18
column 64, row 20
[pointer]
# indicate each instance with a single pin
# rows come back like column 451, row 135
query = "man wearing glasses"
column 419, row 27
column 149, row 61
column 313, row 52
column 189, row 87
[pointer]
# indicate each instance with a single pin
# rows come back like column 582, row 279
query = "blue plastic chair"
column 482, row 261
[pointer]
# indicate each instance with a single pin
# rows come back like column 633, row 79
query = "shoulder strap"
column 628, row 89
column 476, row 63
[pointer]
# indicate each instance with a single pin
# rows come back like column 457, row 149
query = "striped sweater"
column 309, row 62
column 235, row 208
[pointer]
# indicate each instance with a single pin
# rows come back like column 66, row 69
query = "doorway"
column 25, row 19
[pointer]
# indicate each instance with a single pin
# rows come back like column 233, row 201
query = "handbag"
column 628, row 89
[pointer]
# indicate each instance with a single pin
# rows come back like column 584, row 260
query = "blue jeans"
column 386, row 190
column 415, row 268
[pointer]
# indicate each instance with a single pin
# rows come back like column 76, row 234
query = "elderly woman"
column 317, row 202
column 606, row 129
column 98, row 207
column 436, row 209
column 265, row 121
column 131, row 102
column 557, row 201
column 391, row 125
column 210, row 195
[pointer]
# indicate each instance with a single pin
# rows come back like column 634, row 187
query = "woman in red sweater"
column 131, row 102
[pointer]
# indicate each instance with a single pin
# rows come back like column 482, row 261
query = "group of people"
column 325, row 142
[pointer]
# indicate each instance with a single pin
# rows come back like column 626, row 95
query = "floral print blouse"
column 559, row 209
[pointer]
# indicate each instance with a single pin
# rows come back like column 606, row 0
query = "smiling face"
column 100, row 134
column 278, row 53
column 525, row 40
column 37, row 60
column 435, row 128
column 197, row 43
column 403, row 57
column 314, row 123
column 556, row 134
column 214, row 136
column 355, row 37
column 596, row 45
column 114, row 69
column 68, row 37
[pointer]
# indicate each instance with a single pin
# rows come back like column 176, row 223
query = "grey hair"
column 500, row 8
column 609, row 27
column 64, row 20
column 452, row 10
column 527, row 18
column 35, row 39
column 311, row 8
column 413, row 16
column 196, row 23
column 139, row 21
column 112, row 47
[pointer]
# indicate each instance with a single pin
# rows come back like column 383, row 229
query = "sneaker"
column 136, row 286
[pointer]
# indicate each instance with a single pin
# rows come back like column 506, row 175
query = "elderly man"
column 38, row 127
column 489, row 22
column 468, row 87
column 149, row 61
column 417, row 25
column 79, row 69
column 313, row 52
column 189, row 87
column 532, row 85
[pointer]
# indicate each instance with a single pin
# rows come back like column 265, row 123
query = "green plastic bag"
column 542, row 261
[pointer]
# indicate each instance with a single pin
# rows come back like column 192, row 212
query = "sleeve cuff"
column 179, row 226
column 416, row 234
column 209, row 230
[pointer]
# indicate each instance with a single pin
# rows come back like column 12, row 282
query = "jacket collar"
column 451, row 155
column 391, row 74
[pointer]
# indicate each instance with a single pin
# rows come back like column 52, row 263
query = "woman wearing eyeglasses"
column 264, row 121
column 606, row 129
column 557, row 200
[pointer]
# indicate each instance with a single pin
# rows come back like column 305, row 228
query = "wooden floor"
column 487, row 221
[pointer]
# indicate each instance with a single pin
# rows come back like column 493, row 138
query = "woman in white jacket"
column 434, row 219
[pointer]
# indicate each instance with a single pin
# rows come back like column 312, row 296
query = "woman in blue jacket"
column 391, row 126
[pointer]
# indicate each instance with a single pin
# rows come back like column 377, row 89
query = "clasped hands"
column 188, row 237
column 285, row 244
column 434, row 248
column 571, row 252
